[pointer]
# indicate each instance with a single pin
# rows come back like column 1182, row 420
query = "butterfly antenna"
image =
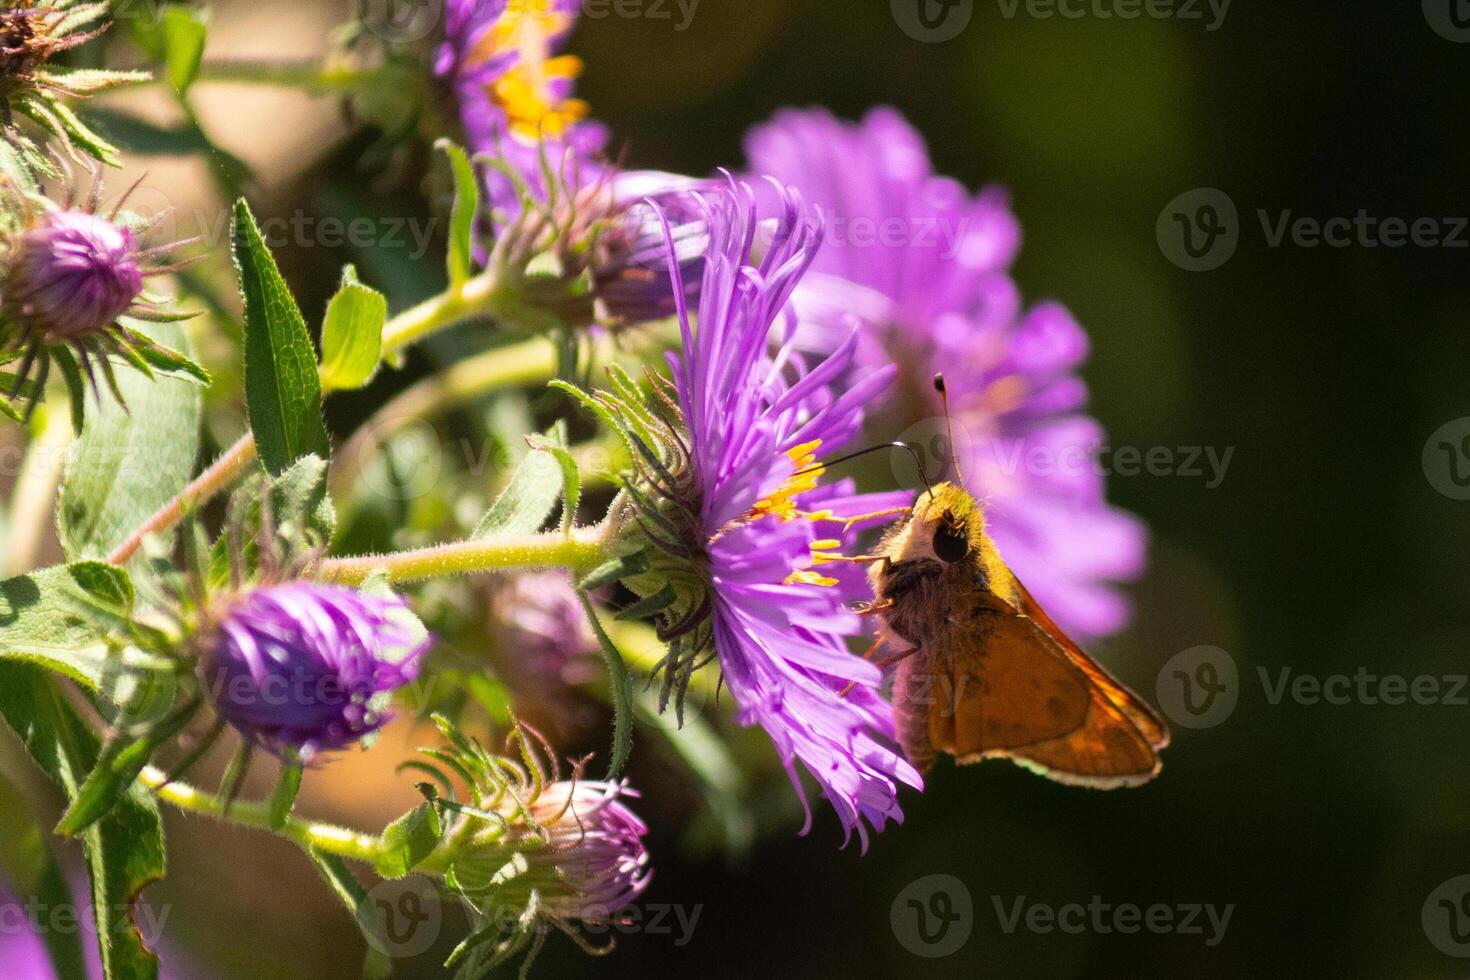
column 954, row 449
column 906, row 447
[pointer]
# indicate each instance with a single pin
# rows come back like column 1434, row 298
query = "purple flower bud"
column 71, row 275
column 301, row 666
column 577, row 846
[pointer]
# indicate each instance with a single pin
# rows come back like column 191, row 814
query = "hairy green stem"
column 308, row 833
column 581, row 551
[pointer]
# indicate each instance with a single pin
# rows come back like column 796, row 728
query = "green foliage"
column 535, row 488
column 176, row 39
column 352, row 334
column 125, row 849
column 408, row 840
column 282, row 390
column 62, row 619
column 621, row 684
column 462, row 215
column 129, row 461
column 301, row 516
column 283, row 798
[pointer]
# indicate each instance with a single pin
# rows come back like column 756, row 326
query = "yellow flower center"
column 526, row 92
column 782, row 501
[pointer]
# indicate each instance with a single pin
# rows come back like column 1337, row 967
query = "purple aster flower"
column 747, row 515
column 927, row 265
column 303, row 668
column 514, row 92
column 71, row 275
column 66, row 277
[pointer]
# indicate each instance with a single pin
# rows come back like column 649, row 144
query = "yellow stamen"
column 526, row 91
column 782, row 502
column 805, row 576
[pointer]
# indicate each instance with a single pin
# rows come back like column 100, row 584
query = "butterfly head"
column 947, row 524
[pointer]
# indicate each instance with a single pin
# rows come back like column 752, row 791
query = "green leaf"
column 300, row 510
column 408, row 840
column 125, row 850
column 620, row 684
column 352, row 334
column 462, row 215
column 624, row 566
column 339, row 878
column 175, row 37
column 57, row 118
column 183, row 32
column 88, row 81
column 129, row 461
column 284, row 797
column 532, row 494
column 571, row 477
column 282, row 391
column 120, row 761
column 58, row 618
column 643, row 608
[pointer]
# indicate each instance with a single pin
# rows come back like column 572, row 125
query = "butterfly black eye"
column 951, row 543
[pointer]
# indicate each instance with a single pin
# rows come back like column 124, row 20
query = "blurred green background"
column 1326, row 548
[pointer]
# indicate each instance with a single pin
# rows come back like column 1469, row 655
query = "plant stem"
column 308, row 833
column 310, row 75
column 581, row 551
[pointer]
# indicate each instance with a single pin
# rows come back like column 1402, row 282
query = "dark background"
column 1326, row 549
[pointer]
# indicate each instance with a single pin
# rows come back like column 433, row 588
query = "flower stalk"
column 580, row 552
column 308, row 833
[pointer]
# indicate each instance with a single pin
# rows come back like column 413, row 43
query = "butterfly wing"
column 1144, row 718
column 1000, row 684
column 1016, row 693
